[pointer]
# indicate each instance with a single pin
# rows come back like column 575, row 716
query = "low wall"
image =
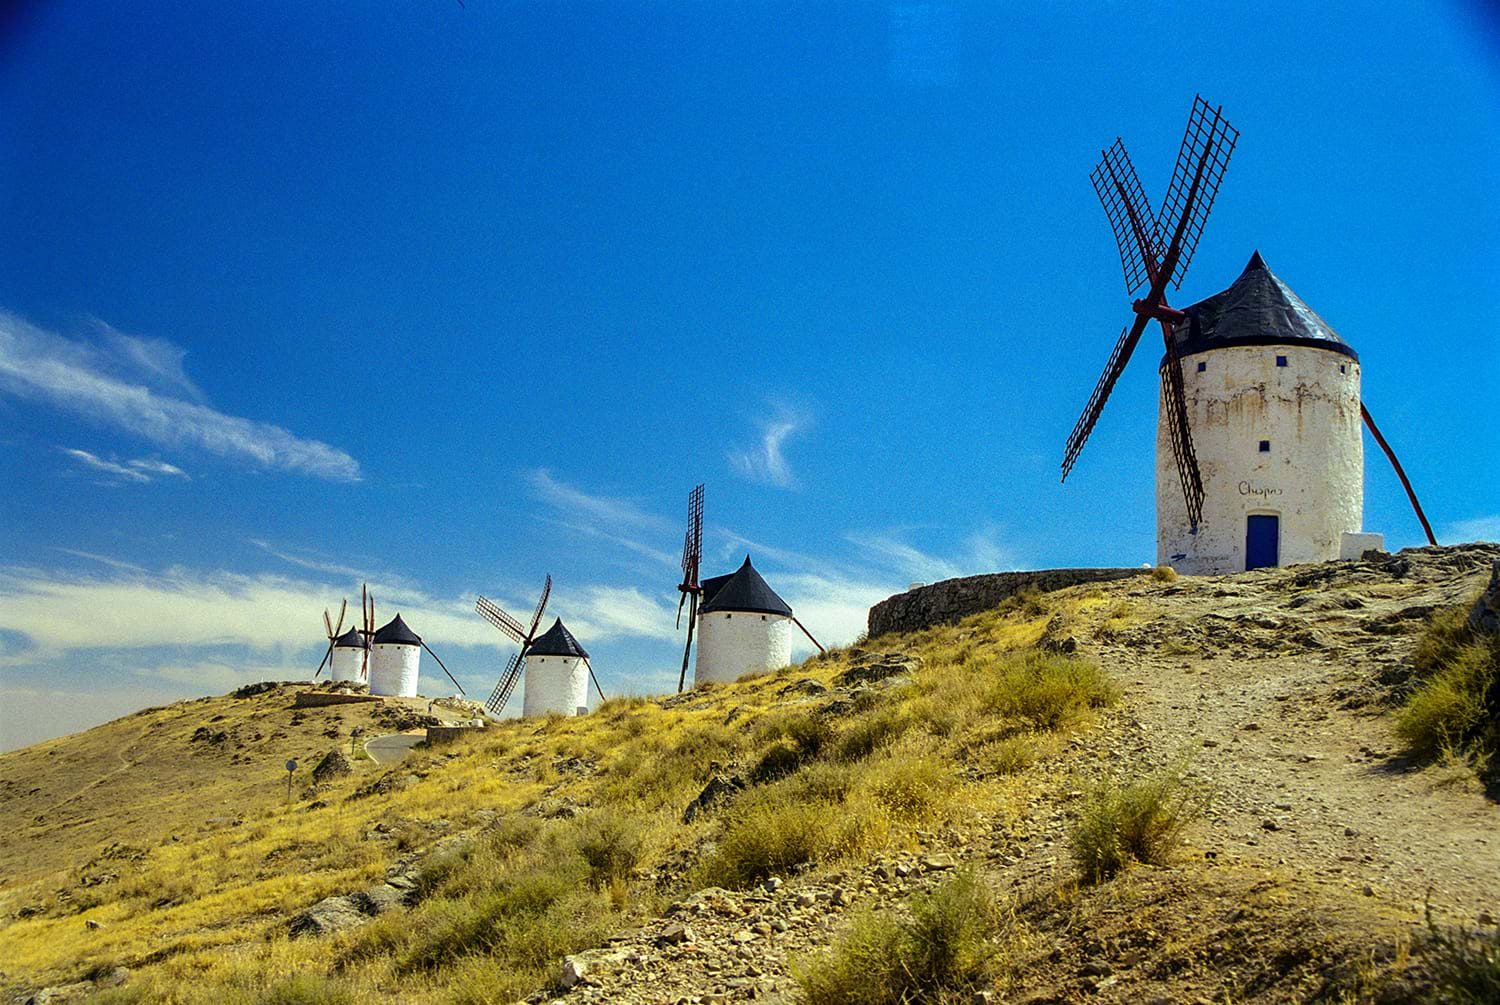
column 439, row 735
column 952, row 600
column 317, row 699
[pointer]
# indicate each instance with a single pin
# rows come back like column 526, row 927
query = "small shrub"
column 1048, row 691
column 1456, row 705
column 871, row 732
column 1465, row 965
column 1164, row 574
column 947, row 949
column 763, row 837
column 911, row 788
column 1014, row 754
column 612, row 846
column 1142, row 822
column 795, row 740
column 1026, row 602
column 306, row 989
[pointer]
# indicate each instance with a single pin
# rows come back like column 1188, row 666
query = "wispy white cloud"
column 139, row 471
column 113, row 563
column 1479, row 528
column 765, row 462
column 604, row 517
column 139, row 386
column 981, row 552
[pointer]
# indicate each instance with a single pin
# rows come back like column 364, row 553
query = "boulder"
column 332, row 914
column 867, row 667
column 333, row 765
column 718, row 787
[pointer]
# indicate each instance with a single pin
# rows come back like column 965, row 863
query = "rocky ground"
column 1274, row 688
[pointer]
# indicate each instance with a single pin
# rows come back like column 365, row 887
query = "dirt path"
column 1273, row 687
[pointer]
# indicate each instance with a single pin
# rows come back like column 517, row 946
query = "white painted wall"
column 348, row 664
column 557, row 684
column 732, row 644
column 1312, row 477
column 393, row 669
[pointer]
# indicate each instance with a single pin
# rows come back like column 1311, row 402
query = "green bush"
column 1456, row 703
column 765, row 836
column 946, row 951
column 611, row 844
column 872, row 731
column 1048, row 691
column 1142, row 822
column 1465, row 965
column 795, row 740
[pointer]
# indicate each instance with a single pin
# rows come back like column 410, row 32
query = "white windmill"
column 1259, row 458
column 395, row 660
column 743, row 626
column 556, row 667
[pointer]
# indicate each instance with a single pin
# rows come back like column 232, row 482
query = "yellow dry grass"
column 199, row 904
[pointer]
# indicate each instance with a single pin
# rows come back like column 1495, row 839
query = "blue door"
column 1262, row 537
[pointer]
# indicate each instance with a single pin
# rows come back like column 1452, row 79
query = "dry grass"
column 198, row 907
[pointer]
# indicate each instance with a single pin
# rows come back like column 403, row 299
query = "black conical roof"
column 556, row 641
column 349, row 640
column 1259, row 309
column 396, row 634
column 743, row 590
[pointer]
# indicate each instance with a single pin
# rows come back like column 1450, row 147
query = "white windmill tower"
column 557, row 681
column 1259, row 458
column 744, row 628
column 557, row 674
column 347, row 662
column 395, row 660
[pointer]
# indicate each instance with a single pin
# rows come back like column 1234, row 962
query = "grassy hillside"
column 1025, row 802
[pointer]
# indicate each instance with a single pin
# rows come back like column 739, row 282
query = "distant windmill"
column 367, row 633
column 395, row 666
column 492, row 613
column 692, row 555
column 333, row 631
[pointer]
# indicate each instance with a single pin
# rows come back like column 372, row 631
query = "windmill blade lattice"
column 495, row 703
column 541, row 605
column 1207, row 143
column 1129, row 337
column 690, row 590
column 501, row 620
column 1129, row 213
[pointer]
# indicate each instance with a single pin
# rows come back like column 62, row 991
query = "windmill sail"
column 495, row 704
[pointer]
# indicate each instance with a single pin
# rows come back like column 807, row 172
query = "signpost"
column 291, row 769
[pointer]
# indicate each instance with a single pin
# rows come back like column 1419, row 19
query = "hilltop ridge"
column 850, row 782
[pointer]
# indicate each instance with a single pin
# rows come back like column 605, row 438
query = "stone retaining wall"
column 317, row 699
column 952, row 600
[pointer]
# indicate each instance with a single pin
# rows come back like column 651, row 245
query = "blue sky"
column 446, row 297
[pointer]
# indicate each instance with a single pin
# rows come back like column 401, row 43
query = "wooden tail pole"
column 445, row 670
column 1400, row 472
column 808, row 634
column 597, row 688
column 687, row 649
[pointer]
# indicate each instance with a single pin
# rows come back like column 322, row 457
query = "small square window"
column 1202, row 367
column 1265, row 446
column 1281, row 361
column 1343, row 368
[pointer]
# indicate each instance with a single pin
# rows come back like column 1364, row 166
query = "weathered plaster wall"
column 1312, row 478
column 732, row 644
column 557, row 684
column 394, row 669
column 348, row 664
column 952, row 600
